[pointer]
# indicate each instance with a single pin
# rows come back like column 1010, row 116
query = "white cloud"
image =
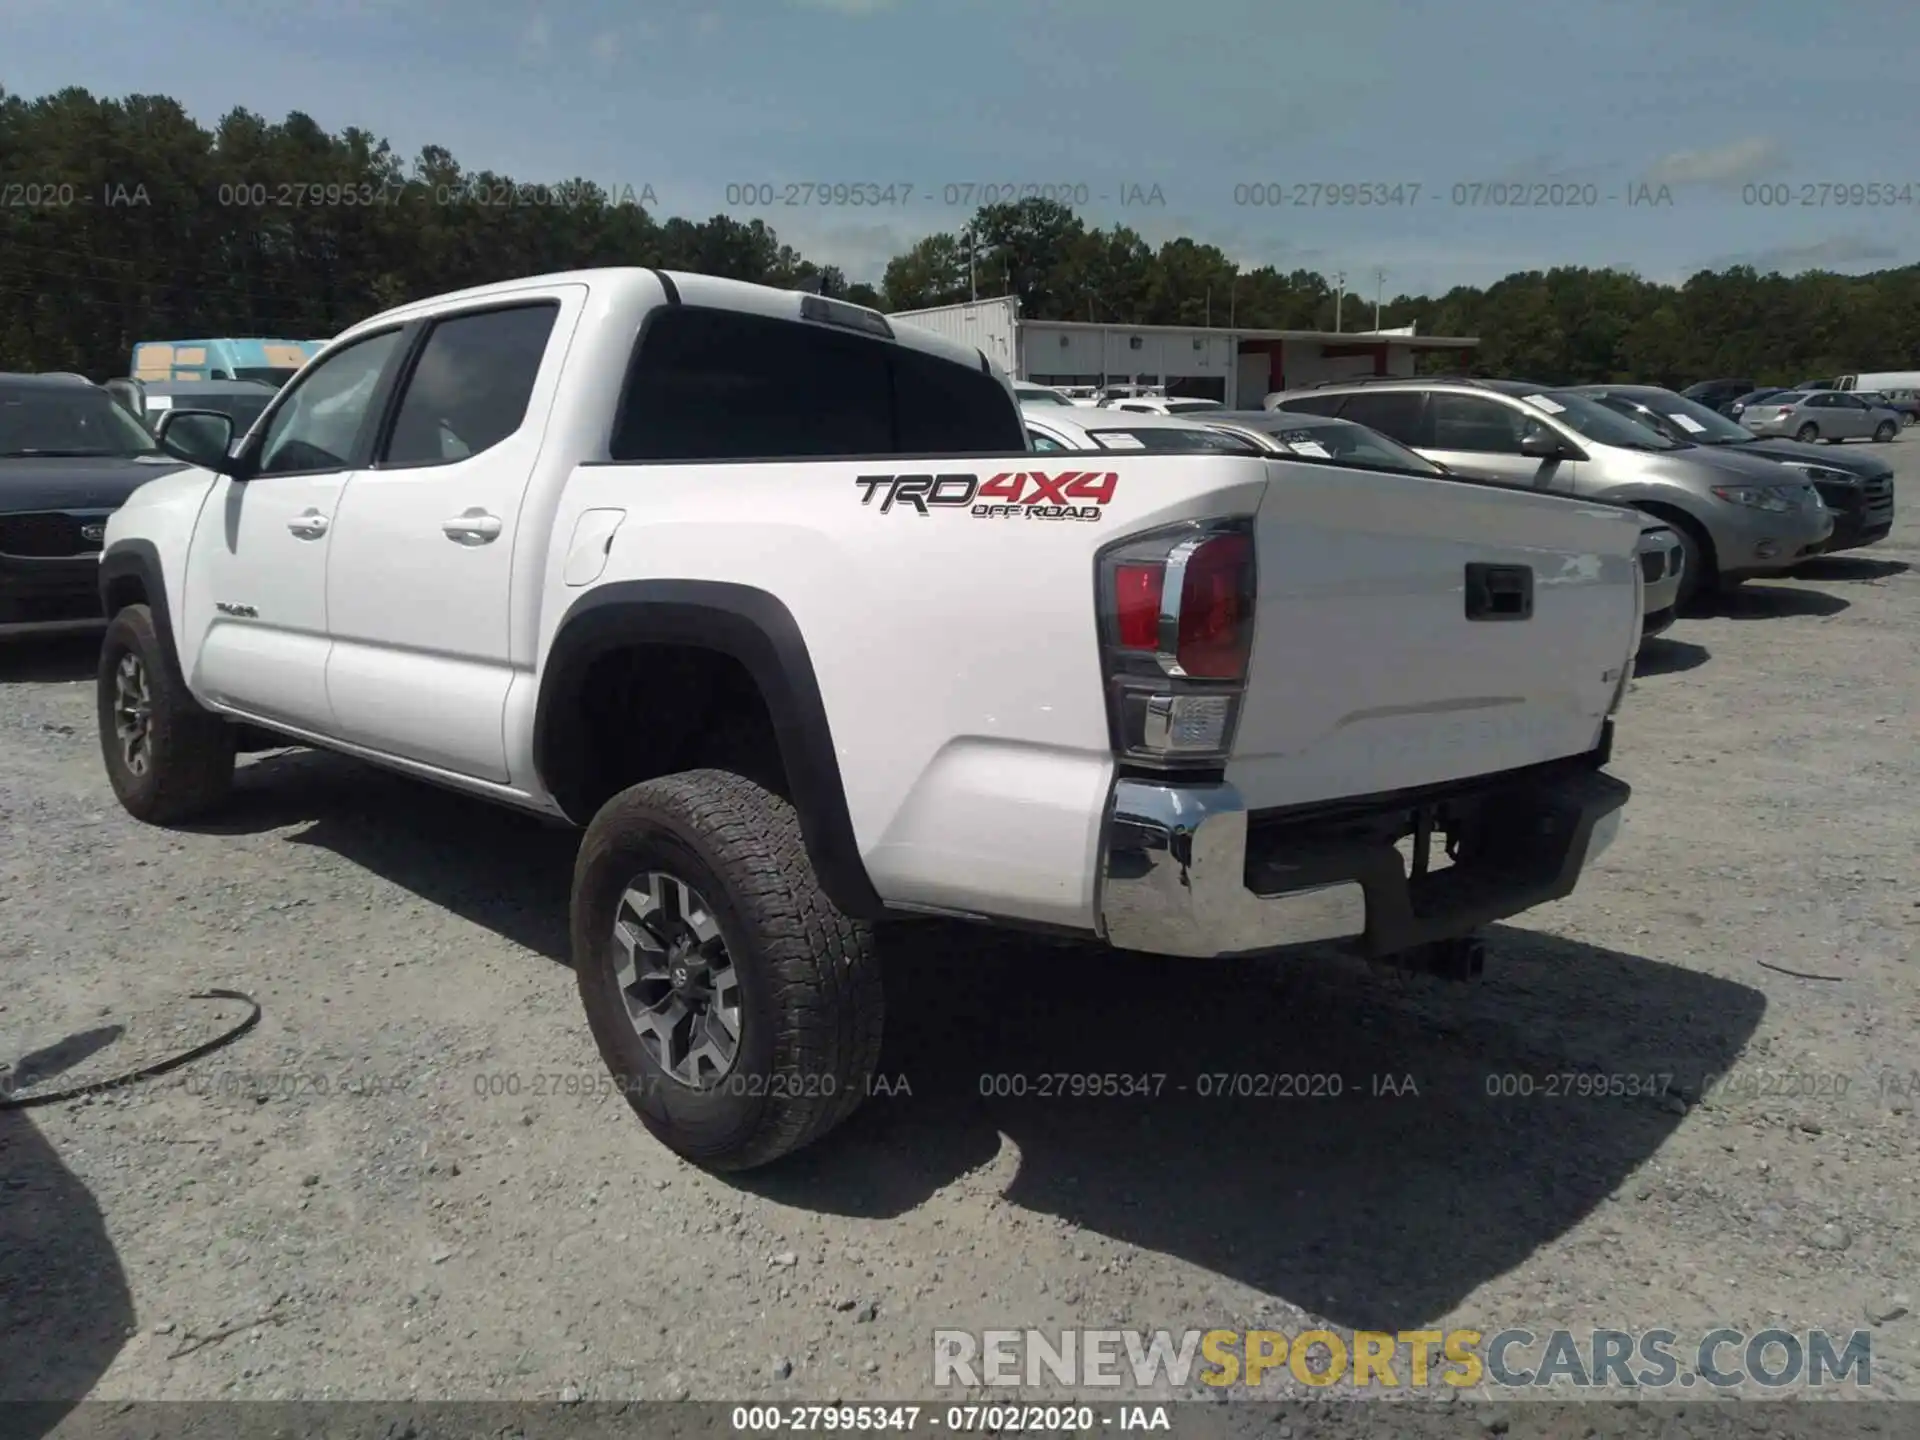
column 1728, row 164
column 1837, row 252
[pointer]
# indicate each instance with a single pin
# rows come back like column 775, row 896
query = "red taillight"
column 1136, row 603
column 1216, row 609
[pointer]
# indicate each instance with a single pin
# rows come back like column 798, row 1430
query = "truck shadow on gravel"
column 508, row 871
column 1383, row 1206
column 1438, row 1144
column 65, row 1307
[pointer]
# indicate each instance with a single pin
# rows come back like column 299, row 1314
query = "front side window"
column 720, row 385
column 1472, row 423
column 1043, row 442
column 470, row 388
column 317, row 426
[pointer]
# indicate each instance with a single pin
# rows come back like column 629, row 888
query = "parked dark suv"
column 69, row 457
column 1718, row 394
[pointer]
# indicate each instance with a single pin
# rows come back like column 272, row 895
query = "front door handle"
column 473, row 527
column 309, row 526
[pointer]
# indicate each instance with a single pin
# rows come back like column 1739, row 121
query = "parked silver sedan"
column 1832, row 415
column 1301, row 435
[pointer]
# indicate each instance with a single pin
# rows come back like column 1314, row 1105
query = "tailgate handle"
column 1499, row 592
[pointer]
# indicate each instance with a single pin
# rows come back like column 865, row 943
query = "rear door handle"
column 309, row 526
column 473, row 527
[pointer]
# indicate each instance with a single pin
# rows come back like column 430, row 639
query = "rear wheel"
column 739, row 1011
column 168, row 759
column 1885, row 431
column 1807, row 433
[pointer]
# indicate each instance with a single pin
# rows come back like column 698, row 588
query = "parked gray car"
column 1737, row 516
column 1304, row 436
column 1856, row 484
column 1831, row 415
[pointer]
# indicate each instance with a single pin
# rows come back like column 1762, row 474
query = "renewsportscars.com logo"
column 1513, row 1360
column 1070, row 495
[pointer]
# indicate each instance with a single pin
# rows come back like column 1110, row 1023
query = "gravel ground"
column 408, row 1180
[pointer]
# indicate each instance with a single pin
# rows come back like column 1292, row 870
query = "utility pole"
column 1339, row 297
column 1379, row 283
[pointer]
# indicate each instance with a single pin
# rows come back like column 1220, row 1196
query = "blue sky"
column 1199, row 99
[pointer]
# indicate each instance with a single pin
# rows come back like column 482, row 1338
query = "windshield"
column 272, row 374
column 1587, row 416
column 1348, row 444
column 1183, row 407
column 1039, row 397
column 1680, row 418
column 1172, row 438
column 1786, row 399
column 62, row 422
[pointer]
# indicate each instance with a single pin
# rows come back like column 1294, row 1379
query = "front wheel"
column 739, row 1011
column 168, row 759
column 1807, row 433
column 1885, row 431
column 1697, row 577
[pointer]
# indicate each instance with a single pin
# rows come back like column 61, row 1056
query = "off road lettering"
column 1034, row 495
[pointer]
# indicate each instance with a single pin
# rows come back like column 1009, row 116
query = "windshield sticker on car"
column 1117, row 440
column 1030, row 494
column 1688, row 424
column 1552, row 407
column 159, row 402
column 1311, row 447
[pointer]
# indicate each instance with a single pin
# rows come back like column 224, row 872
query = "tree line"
column 126, row 220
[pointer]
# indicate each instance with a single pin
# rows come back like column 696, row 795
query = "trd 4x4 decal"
column 1069, row 495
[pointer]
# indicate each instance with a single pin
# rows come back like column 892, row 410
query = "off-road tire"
column 809, row 976
column 190, row 750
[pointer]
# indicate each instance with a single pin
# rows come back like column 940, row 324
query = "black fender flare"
column 139, row 559
column 749, row 626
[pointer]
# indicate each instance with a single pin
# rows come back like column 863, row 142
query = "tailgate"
column 1369, row 672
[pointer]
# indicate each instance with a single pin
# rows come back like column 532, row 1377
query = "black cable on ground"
column 172, row 1062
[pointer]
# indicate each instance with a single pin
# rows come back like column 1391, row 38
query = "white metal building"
column 1236, row 366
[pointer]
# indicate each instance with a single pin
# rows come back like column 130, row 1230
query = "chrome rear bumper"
column 1190, row 870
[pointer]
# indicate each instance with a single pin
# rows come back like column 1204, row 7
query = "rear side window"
column 719, row 385
column 470, row 388
column 1314, row 404
column 1394, row 413
column 940, row 408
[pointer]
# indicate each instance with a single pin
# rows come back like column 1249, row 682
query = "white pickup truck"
column 772, row 598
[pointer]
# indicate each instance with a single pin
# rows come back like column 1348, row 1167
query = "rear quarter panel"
column 957, row 653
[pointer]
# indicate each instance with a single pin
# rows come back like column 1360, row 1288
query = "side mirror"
column 199, row 437
column 1542, row 444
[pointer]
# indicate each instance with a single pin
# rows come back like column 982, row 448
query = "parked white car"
column 1162, row 405
column 775, row 601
